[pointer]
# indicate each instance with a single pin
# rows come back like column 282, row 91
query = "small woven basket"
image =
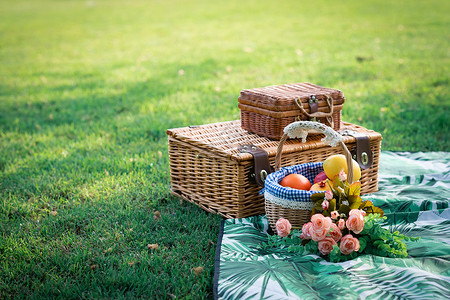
column 266, row 111
column 292, row 204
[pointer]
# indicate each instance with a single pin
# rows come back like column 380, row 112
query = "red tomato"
column 296, row 181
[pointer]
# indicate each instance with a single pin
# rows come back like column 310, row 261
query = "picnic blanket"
column 414, row 192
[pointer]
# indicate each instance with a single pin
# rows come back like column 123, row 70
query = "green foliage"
column 381, row 241
column 369, row 208
column 345, row 198
column 336, row 255
column 276, row 244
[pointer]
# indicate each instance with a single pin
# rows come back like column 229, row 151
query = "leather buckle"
column 261, row 166
column 362, row 153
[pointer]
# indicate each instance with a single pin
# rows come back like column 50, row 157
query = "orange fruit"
column 296, row 181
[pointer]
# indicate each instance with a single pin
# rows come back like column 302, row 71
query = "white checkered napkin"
column 273, row 187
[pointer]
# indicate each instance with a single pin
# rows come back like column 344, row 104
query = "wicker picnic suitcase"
column 210, row 166
column 268, row 110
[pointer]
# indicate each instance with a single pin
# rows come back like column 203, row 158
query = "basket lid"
column 224, row 138
column 282, row 97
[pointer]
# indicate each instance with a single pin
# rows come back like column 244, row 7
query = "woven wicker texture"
column 267, row 110
column 207, row 169
column 297, row 217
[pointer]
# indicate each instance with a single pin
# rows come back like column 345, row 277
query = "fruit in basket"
column 320, row 177
column 321, row 186
column 296, row 181
column 336, row 163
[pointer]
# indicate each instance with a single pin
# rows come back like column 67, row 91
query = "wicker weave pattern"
column 297, row 218
column 207, row 169
column 272, row 126
column 266, row 111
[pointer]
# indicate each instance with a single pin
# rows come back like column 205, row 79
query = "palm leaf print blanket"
column 414, row 192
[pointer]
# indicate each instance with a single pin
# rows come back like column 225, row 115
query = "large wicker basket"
column 208, row 169
column 292, row 204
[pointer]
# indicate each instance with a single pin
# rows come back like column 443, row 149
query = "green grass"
column 88, row 88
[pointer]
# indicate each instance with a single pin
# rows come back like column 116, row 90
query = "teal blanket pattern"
column 414, row 193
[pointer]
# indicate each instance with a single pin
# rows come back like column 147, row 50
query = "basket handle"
column 317, row 114
column 300, row 129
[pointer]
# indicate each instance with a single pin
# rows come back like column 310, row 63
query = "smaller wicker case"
column 268, row 110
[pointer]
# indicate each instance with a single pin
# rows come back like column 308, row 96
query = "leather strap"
column 316, row 114
column 261, row 164
column 313, row 105
column 362, row 153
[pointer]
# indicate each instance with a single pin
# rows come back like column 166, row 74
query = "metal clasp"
column 313, row 99
column 364, row 158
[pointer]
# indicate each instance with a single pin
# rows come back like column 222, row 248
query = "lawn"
column 88, row 89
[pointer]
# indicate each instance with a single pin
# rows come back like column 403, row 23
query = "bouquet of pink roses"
column 342, row 226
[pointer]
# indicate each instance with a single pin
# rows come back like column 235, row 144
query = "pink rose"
column 305, row 231
column 342, row 175
column 320, row 227
column 341, row 224
column 335, row 233
column 326, row 245
column 328, row 195
column 355, row 212
column 325, row 204
column 334, row 214
column 318, row 235
column 355, row 221
column 283, row 227
column 349, row 244
column 320, row 222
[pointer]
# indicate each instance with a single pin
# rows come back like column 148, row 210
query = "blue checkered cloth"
column 272, row 182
